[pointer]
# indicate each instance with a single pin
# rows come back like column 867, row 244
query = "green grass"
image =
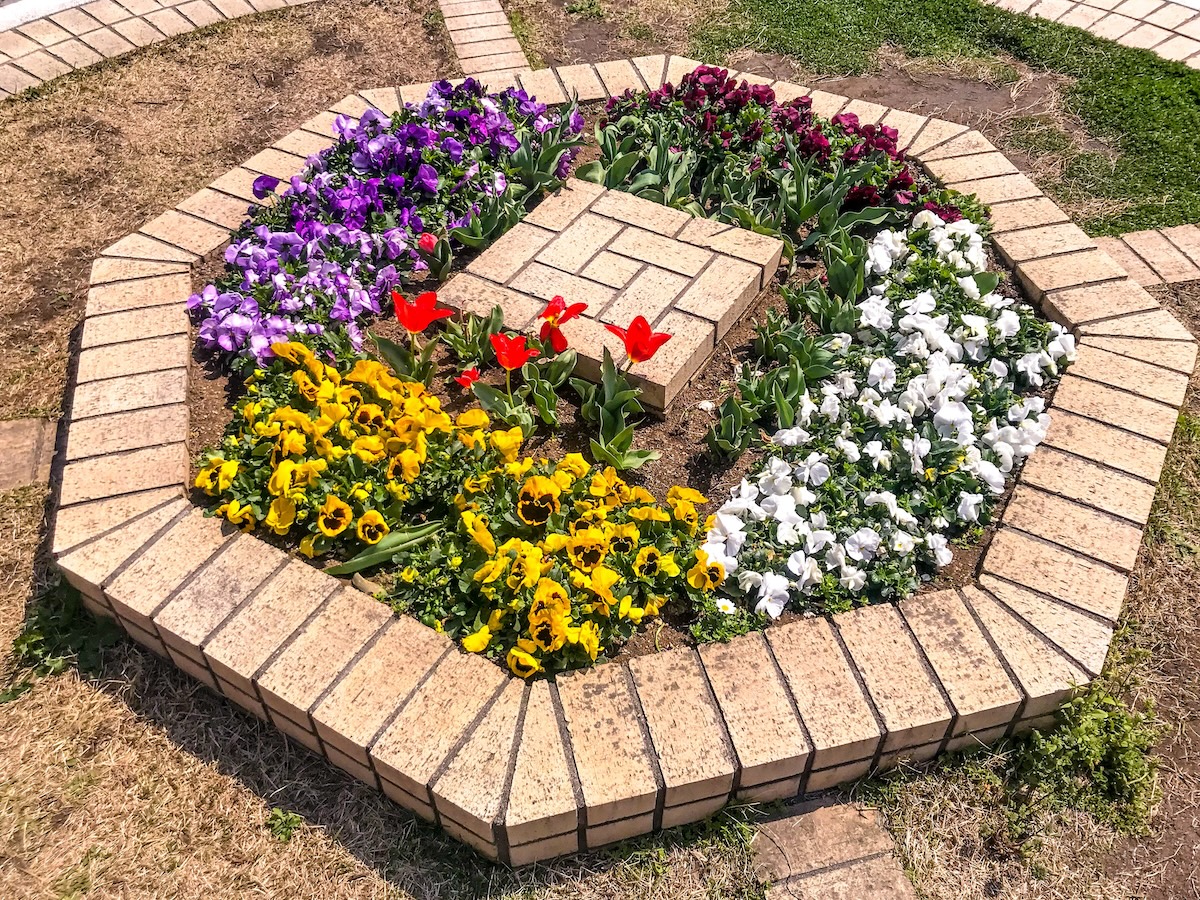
column 1148, row 109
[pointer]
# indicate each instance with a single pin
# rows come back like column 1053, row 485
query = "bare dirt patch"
column 94, row 155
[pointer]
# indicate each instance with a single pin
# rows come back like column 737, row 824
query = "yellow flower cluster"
column 568, row 559
column 338, row 455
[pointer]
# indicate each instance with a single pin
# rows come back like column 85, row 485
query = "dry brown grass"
column 96, row 154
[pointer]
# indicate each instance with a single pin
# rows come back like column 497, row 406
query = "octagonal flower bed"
column 884, row 403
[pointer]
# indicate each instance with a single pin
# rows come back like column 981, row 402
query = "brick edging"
column 605, row 754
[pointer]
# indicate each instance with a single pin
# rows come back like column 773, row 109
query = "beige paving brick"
column 142, row 246
column 544, row 283
column 999, row 189
column 1086, row 482
column 142, row 587
column 1059, row 573
column 879, row 876
column 651, row 293
column 471, row 790
column 832, row 707
column 613, row 759
column 644, row 213
column 484, row 848
column 123, row 473
column 13, row 44
column 108, row 269
column 158, row 290
column 200, row 13
column 1156, row 323
column 106, row 11
column 1076, row 306
column 412, row 749
column 759, row 249
column 217, row 208
column 696, row 811
column 169, row 22
column 1036, row 212
column 312, row 662
column 1113, row 26
column 558, row 210
column 1079, row 528
column 619, row 76
column 14, row 80
column 377, row 685
column 386, row 100
column 907, row 125
column 139, row 7
column 409, row 93
column 721, row 293
column 1169, row 15
column 686, row 728
column 502, row 79
column 470, row 7
column 891, row 667
column 664, row 376
column 787, row 91
column 1115, row 407
column 826, row 104
column 76, row 54
column 87, row 566
column 1040, row 276
column 465, row 23
column 640, row 244
column 76, row 524
column 620, row 830
column 348, row 765
column 76, row 21
column 187, row 232
column 582, row 81
column 44, row 32
column 965, row 664
column 1167, row 260
column 244, row 644
column 814, row 836
column 141, row 356
column 678, row 67
column 231, row 9
column 484, row 33
column 495, row 47
column 1129, row 261
column 867, row 112
column 101, row 398
column 240, row 568
column 1144, row 36
column 1105, row 444
column 544, row 85
column 467, row 293
column 1179, row 356
column 653, row 70
column 1137, row 9
column 763, row 726
column 127, row 431
column 42, row 66
column 1077, row 634
column 1187, row 239
column 976, row 740
column 958, row 169
column 492, row 63
column 239, row 182
column 612, row 270
column 1153, row 381
column 277, row 163
column 1050, row 9
column 573, row 248
column 934, row 133
column 138, row 32
column 1082, row 16
column 1034, row 243
column 1178, row 48
column 541, row 799
column 187, row 666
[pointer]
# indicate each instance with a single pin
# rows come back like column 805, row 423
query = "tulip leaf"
column 396, row 541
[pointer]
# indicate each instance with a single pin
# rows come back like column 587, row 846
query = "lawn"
column 1146, row 109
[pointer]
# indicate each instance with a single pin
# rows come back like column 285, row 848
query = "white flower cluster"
column 907, row 444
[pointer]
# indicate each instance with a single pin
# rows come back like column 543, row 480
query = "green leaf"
column 394, row 542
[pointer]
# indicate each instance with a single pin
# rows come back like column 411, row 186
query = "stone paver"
column 26, row 451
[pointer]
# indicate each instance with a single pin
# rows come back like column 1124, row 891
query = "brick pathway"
column 829, row 851
column 26, row 449
column 1152, row 257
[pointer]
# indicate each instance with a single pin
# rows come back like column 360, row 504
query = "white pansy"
column 942, row 554
column 968, row 506
column 772, row 594
column 1008, row 325
column 882, row 374
column 776, row 478
column 852, row 579
column 902, row 542
column 791, row 437
column 849, row 449
column 813, row 469
column 806, row 569
column 880, row 458
column 863, row 544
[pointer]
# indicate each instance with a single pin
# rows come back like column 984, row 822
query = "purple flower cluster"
column 344, row 232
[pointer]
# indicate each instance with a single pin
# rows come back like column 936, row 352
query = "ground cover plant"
column 885, row 396
column 1144, row 106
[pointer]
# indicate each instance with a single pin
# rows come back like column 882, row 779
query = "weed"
column 526, row 34
column 638, row 30
column 283, row 824
column 586, row 9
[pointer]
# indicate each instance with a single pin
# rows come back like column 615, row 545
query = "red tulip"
column 418, row 315
column 555, row 313
column 427, row 242
column 467, row 378
column 640, row 342
column 511, row 352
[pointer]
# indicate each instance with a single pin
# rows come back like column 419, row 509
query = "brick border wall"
column 529, row 771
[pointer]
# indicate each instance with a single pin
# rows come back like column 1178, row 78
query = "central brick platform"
column 623, row 257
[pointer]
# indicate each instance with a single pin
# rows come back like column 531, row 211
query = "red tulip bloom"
column 427, row 242
column 555, row 313
column 511, row 352
column 418, row 315
column 467, row 378
column 640, row 342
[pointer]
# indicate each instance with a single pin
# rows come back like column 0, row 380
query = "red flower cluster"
column 418, row 315
column 511, row 352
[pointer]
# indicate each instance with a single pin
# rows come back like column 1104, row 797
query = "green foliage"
column 468, row 337
column 732, row 434
column 398, row 541
column 411, row 363
column 586, row 9
column 613, row 406
column 1146, row 108
column 714, row 625
column 59, row 633
column 540, row 381
column 283, row 824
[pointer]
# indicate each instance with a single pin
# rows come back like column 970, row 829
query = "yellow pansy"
column 371, row 527
column 521, row 661
column 685, row 495
column 334, row 516
column 238, row 514
column 281, row 515
column 478, row 641
column 477, row 528
column 473, row 419
column 706, row 574
column 574, row 465
column 649, row 514
column 651, row 562
column 587, row 548
column 507, row 443
column 589, row 639
column 369, row 448
column 291, row 443
column 624, row 538
column 538, row 500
